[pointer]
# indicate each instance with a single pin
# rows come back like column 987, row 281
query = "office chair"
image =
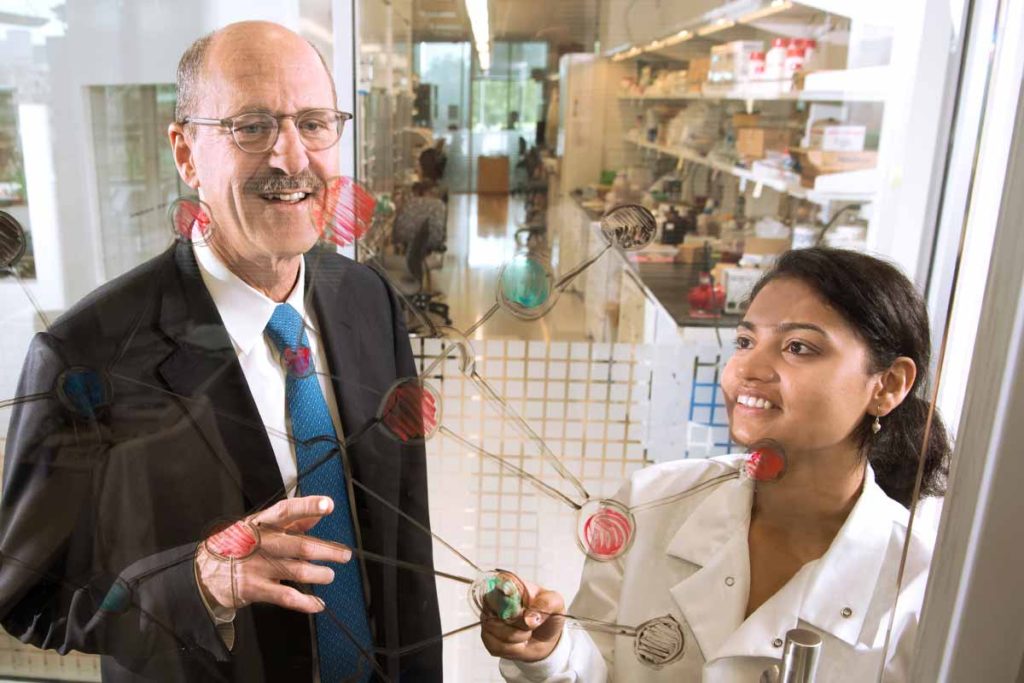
column 410, row 275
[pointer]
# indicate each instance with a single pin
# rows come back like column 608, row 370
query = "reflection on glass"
column 135, row 170
column 13, row 189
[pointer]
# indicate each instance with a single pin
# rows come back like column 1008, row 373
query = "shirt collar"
column 244, row 310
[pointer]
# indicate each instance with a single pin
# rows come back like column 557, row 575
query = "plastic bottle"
column 775, row 60
column 794, row 62
column 756, row 66
column 810, row 54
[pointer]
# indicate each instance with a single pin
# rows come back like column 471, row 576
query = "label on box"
column 838, row 138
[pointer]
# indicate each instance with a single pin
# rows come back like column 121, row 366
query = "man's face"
column 260, row 202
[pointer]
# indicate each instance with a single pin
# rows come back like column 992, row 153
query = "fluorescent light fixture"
column 479, row 22
column 715, row 26
column 775, row 7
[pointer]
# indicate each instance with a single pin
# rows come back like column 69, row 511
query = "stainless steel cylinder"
column 800, row 656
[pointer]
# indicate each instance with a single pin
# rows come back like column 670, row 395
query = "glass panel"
column 601, row 413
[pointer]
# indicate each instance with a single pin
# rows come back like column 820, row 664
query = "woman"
column 831, row 364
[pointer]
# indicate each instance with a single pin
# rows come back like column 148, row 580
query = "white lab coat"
column 690, row 560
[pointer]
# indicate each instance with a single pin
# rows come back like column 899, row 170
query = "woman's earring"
column 876, row 426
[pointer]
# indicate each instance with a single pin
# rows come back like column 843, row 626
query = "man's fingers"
column 283, row 596
column 300, row 547
column 286, row 512
column 300, row 572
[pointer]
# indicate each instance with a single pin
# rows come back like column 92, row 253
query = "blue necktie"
column 340, row 658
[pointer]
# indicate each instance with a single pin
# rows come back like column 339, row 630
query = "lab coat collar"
column 848, row 573
column 713, row 599
column 714, row 536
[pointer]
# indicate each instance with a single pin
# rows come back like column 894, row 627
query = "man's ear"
column 181, row 147
column 894, row 383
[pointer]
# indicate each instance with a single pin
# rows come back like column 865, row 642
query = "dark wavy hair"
column 889, row 315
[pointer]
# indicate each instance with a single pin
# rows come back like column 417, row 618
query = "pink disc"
column 297, row 361
column 605, row 532
column 410, row 411
column 343, row 211
column 189, row 212
column 765, row 464
column 237, row 541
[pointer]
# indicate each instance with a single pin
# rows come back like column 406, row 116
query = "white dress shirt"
column 690, row 560
column 245, row 313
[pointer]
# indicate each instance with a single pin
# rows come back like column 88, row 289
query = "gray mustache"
column 276, row 184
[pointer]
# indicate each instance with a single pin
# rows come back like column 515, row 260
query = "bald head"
column 244, row 40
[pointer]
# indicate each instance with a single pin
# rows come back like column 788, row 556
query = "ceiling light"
column 479, row 22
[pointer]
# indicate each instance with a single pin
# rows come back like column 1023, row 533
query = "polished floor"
column 481, row 237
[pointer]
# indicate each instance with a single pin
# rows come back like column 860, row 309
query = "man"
column 204, row 395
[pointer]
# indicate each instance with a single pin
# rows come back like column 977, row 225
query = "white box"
column 738, row 283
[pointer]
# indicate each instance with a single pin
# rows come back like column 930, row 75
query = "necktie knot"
column 286, row 330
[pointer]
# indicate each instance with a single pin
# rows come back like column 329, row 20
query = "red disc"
column 606, row 533
column 238, row 541
column 410, row 411
column 186, row 213
column 343, row 211
column 765, row 464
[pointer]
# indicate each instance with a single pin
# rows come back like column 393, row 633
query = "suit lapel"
column 326, row 288
column 204, row 372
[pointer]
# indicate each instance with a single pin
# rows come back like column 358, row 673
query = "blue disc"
column 525, row 282
column 117, row 598
column 83, row 391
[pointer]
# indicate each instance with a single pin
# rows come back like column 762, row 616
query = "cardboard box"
column 492, row 175
column 815, row 162
column 741, row 120
column 691, row 252
column 765, row 246
column 755, row 143
column 697, row 71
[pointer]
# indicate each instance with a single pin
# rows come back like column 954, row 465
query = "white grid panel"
column 17, row 659
column 590, row 404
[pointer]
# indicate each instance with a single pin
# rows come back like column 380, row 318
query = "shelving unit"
column 847, row 85
column 793, row 190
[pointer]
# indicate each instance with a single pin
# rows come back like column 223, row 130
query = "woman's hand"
column 532, row 636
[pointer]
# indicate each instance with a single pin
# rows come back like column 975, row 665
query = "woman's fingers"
column 533, row 635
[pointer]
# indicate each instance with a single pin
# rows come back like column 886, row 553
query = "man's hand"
column 531, row 637
column 284, row 554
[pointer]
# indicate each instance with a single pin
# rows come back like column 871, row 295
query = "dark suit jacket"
column 100, row 518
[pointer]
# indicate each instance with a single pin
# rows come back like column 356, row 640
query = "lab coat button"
column 847, row 612
column 729, row 581
column 777, row 642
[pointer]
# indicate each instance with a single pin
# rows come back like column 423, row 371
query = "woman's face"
column 800, row 373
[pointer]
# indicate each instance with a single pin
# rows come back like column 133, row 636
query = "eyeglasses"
column 256, row 132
